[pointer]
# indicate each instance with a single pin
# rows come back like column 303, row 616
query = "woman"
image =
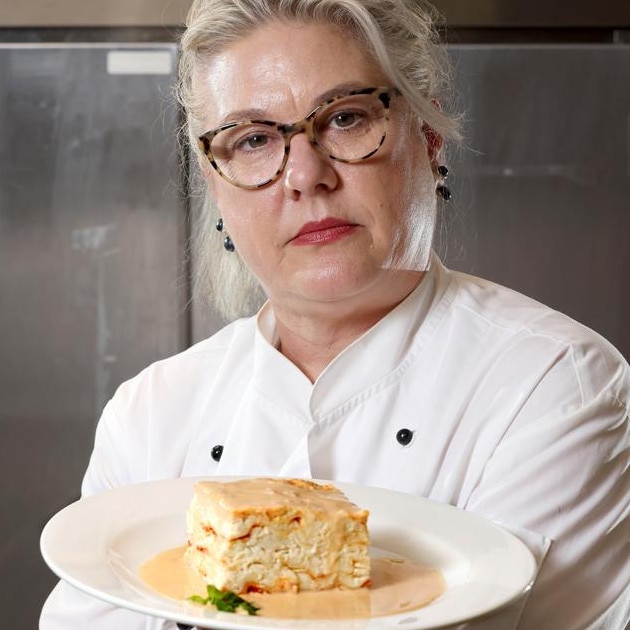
column 370, row 362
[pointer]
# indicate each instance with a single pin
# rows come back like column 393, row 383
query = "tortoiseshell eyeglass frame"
column 306, row 125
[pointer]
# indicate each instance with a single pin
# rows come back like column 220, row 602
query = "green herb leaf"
column 198, row 599
column 226, row 601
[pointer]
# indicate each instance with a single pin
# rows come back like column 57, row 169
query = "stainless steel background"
column 534, row 13
column 92, row 287
column 93, row 279
column 458, row 13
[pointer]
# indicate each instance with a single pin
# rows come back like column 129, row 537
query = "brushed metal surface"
column 458, row 13
column 534, row 13
column 91, row 280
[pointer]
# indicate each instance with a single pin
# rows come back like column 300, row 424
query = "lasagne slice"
column 273, row 535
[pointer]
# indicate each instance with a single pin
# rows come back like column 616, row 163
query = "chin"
column 337, row 284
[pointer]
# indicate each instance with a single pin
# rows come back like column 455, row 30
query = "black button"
column 404, row 436
column 217, row 451
column 182, row 626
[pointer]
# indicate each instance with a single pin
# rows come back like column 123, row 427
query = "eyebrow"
column 258, row 114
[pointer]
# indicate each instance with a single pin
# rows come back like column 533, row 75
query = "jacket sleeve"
column 563, row 470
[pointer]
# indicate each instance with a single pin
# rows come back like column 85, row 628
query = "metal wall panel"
column 83, row 13
column 542, row 187
column 535, row 13
column 91, row 280
column 458, row 13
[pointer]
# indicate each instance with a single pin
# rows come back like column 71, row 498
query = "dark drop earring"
column 227, row 241
column 442, row 190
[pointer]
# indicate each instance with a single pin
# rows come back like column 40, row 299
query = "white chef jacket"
column 516, row 413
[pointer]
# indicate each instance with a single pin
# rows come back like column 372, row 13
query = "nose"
column 308, row 171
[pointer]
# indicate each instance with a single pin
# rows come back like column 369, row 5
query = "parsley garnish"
column 227, row 601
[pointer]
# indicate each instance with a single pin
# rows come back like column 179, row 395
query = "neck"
column 312, row 335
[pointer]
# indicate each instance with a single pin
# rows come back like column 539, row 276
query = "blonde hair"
column 400, row 35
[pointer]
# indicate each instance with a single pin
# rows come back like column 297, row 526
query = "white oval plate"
column 99, row 543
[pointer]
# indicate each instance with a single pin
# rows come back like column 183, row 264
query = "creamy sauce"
column 398, row 585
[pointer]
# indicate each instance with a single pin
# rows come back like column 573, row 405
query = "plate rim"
column 236, row 622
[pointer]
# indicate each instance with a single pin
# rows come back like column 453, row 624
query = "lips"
column 323, row 232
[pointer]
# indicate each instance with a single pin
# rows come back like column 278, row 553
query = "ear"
column 207, row 171
column 435, row 142
column 204, row 164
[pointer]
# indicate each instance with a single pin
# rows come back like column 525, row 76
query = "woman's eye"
column 343, row 120
column 251, row 142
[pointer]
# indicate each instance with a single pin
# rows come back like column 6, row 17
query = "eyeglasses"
column 348, row 128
